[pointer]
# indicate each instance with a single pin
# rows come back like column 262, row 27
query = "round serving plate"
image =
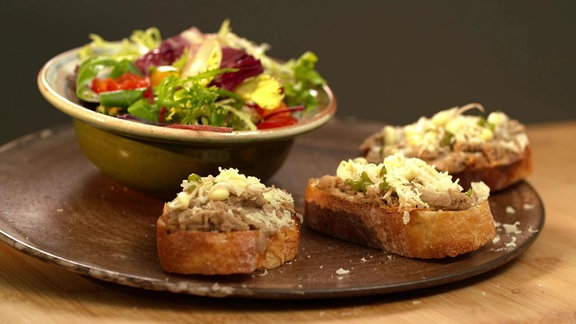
column 60, row 209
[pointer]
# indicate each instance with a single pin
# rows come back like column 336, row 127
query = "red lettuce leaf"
column 247, row 66
column 167, row 53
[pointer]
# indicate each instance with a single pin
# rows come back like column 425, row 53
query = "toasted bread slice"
column 427, row 234
column 495, row 150
column 228, row 224
column 211, row 253
column 426, row 219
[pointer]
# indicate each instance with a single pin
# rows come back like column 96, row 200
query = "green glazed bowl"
column 156, row 159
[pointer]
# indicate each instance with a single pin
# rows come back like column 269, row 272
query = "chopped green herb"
column 382, row 172
column 364, row 176
column 384, row 186
column 193, row 181
column 356, row 185
column 447, row 139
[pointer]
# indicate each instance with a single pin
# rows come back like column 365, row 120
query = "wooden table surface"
column 539, row 286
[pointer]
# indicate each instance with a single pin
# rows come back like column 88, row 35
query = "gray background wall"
column 390, row 61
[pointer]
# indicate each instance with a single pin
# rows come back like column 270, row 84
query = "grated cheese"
column 407, row 177
column 512, row 228
column 451, row 126
column 406, row 217
column 227, row 182
column 512, row 243
column 496, row 239
column 528, row 206
column 510, row 210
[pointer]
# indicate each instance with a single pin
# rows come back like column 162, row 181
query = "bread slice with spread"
column 495, row 149
column 227, row 224
column 403, row 206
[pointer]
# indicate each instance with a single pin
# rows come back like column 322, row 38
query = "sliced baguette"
column 202, row 232
column 221, row 253
column 495, row 150
column 427, row 234
column 333, row 208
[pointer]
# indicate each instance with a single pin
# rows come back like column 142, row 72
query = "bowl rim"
column 48, row 73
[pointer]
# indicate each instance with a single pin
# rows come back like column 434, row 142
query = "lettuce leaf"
column 140, row 42
column 298, row 77
column 304, row 79
column 167, row 52
column 189, row 102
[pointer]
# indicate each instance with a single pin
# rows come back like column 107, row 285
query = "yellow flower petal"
column 264, row 90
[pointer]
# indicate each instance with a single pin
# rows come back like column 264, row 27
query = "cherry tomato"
column 278, row 117
column 279, row 120
column 126, row 81
column 265, row 113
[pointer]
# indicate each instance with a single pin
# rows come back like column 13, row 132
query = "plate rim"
column 217, row 290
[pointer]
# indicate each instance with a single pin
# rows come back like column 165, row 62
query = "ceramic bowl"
column 155, row 159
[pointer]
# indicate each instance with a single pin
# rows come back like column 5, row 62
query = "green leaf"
column 145, row 110
column 189, row 102
column 124, row 66
column 89, row 70
column 305, row 79
column 139, row 43
column 121, row 98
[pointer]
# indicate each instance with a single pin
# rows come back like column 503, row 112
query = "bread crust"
column 222, row 253
column 426, row 234
column 498, row 176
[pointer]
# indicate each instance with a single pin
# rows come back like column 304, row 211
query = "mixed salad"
column 217, row 81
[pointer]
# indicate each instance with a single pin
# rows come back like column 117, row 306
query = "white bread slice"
column 331, row 207
column 228, row 224
column 495, row 150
